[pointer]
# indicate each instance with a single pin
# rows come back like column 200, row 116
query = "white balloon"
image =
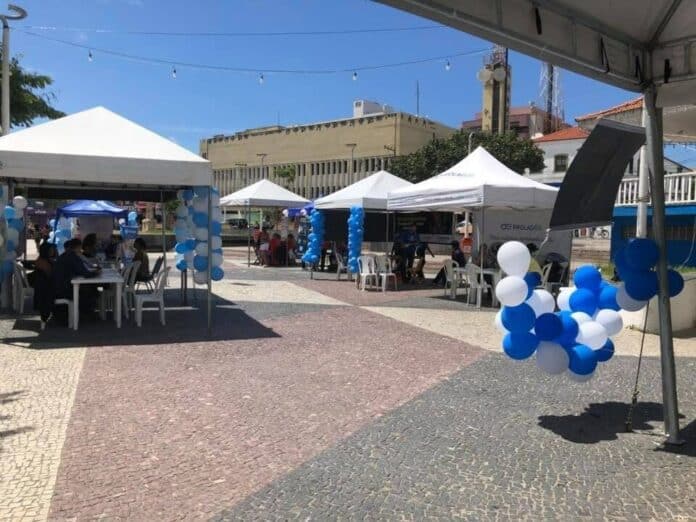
column 552, row 358
column 592, row 334
column 201, row 234
column 12, row 235
column 202, row 249
column 181, row 211
column 217, row 259
column 580, row 317
column 514, row 258
column 511, row 291
column 189, row 222
column 19, row 213
column 626, row 302
column 216, row 242
column 303, row 212
column 188, row 256
column 611, row 321
column 498, row 321
column 563, row 299
column 579, row 378
column 200, row 277
column 19, row 202
column 217, row 214
column 200, row 205
column 216, row 200
column 181, row 237
column 285, row 212
column 542, row 302
column 64, row 223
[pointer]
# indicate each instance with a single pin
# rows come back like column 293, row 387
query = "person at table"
column 68, row 266
column 409, row 242
column 141, row 255
column 418, row 266
column 89, row 246
column 41, row 280
column 112, row 248
column 458, row 256
column 274, row 248
column 291, row 246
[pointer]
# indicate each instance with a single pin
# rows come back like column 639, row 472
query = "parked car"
column 239, row 223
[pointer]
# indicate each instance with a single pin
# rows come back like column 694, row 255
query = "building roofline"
column 630, row 105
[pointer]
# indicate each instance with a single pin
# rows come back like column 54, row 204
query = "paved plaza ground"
column 311, row 400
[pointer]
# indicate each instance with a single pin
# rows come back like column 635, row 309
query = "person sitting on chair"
column 418, row 266
column 141, row 255
column 68, row 266
column 41, row 281
column 457, row 256
column 89, row 246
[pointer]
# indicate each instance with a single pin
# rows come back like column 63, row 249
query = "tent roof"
column 622, row 42
column 88, row 207
column 263, row 193
column 369, row 193
column 479, row 180
column 97, row 146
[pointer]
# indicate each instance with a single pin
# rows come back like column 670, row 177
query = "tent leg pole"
column 210, row 260
column 248, row 236
column 164, row 236
column 656, row 158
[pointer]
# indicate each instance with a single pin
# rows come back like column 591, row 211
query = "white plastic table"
column 495, row 273
column 108, row 276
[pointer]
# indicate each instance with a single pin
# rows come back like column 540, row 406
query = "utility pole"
column 262, row 155
column 5, row 86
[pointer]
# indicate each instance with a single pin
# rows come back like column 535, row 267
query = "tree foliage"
column 442, row 153
column 29, row 99
column 287, row 173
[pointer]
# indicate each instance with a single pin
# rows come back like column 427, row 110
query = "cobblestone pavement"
column 312, row 400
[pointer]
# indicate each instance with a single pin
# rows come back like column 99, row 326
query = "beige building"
column 323, row 156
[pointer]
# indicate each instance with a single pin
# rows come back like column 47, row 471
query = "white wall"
column 683, row 309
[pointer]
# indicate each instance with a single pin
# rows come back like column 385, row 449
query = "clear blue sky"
column 201, row 103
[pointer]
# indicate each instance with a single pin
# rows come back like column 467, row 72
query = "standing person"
column 42, row 282
column 141, row 255
column 409, row 242
column 69, row 265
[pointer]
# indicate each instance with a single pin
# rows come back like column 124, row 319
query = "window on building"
column 560, row 163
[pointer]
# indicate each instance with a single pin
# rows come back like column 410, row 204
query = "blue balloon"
column 7, row 267
column 606, row 352
column 190, row 244
column 675, row 282
column 17, row 224
column 642, row 286
column 583, row 300
column 588, row 277
column 620, row 260
column 520, row 345
column 200, row 263
column 182, row 265
column 132, row 218
column 10, row 212
column 518, row 318
column 642, row 253
column 10, row 246
column 583, row 360
column 216, row 228
column 533, row 279
column 201, row 191
column 187, row 195
column 217, row 273
column 181, row 248
column 52, row 223
column 569, row 331
column 548, row 327
column 607, row 298
column 200, row 219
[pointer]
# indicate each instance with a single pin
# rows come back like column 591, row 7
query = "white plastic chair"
column 452, row 277
column 384, row 271
column 477, row 283
column 156, row 296
column 69, row 304
column 367, row 274
column 545, row 271
column 22, row 290
column 342, row 267
column 130, row 273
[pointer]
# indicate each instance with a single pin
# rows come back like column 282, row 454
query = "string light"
column 261, row 79
column 90, row 57
column 174, row 72
column 257, row 70
column 448, row 66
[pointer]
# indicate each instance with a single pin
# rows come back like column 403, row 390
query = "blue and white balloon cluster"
column 13, row 216
column 198, row 215
column 183, row 232
column 61, row 231
column 315, row 238
column 577, row 337
column 356, row 231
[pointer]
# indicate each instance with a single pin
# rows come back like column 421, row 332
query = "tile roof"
column 571, row 133
column 630, row 105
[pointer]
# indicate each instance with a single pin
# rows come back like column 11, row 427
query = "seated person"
column 69, row 265
column 291, row 246
column 261, row 246
column 457, row 256
column 41, row 280
column 418, row 266
column 112, row 248
column 141, row 255
column 274, row 249
column 89, row 246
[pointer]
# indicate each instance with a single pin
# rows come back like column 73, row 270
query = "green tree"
column 28, row 97
column 286, row 173
column 440, row 154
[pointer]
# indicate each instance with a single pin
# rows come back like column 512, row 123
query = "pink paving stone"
column 347, row 292
column 161, row 432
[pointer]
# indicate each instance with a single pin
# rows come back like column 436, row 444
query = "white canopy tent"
column 100, row 155
column 369, row 193
column 263, row 193
column 641, row 45
column 478, row 181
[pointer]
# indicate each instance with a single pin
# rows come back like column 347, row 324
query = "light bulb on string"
column 90, row 56
column 355, row 76
column 174, row 73
column 448, row 66
column 261, row 79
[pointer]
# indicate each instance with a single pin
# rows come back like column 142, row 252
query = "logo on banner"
column 521, row 228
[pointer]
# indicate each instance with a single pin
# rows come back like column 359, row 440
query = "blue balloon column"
column 185, row 242
column 315, row 238
column 577, row 338
column 193, row 238
column 356, row 231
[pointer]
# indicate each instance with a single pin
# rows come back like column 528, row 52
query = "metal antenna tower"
column 550, row 97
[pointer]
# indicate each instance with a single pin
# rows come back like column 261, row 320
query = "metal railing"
column 679, row 188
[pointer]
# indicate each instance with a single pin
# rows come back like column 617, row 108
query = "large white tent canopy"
column 478, row 181
column 369, row 193
column 263, row 193
column 97, row 146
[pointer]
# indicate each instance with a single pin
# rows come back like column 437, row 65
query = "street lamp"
column 352, row 160
column 262, row 155
column 5, row 85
